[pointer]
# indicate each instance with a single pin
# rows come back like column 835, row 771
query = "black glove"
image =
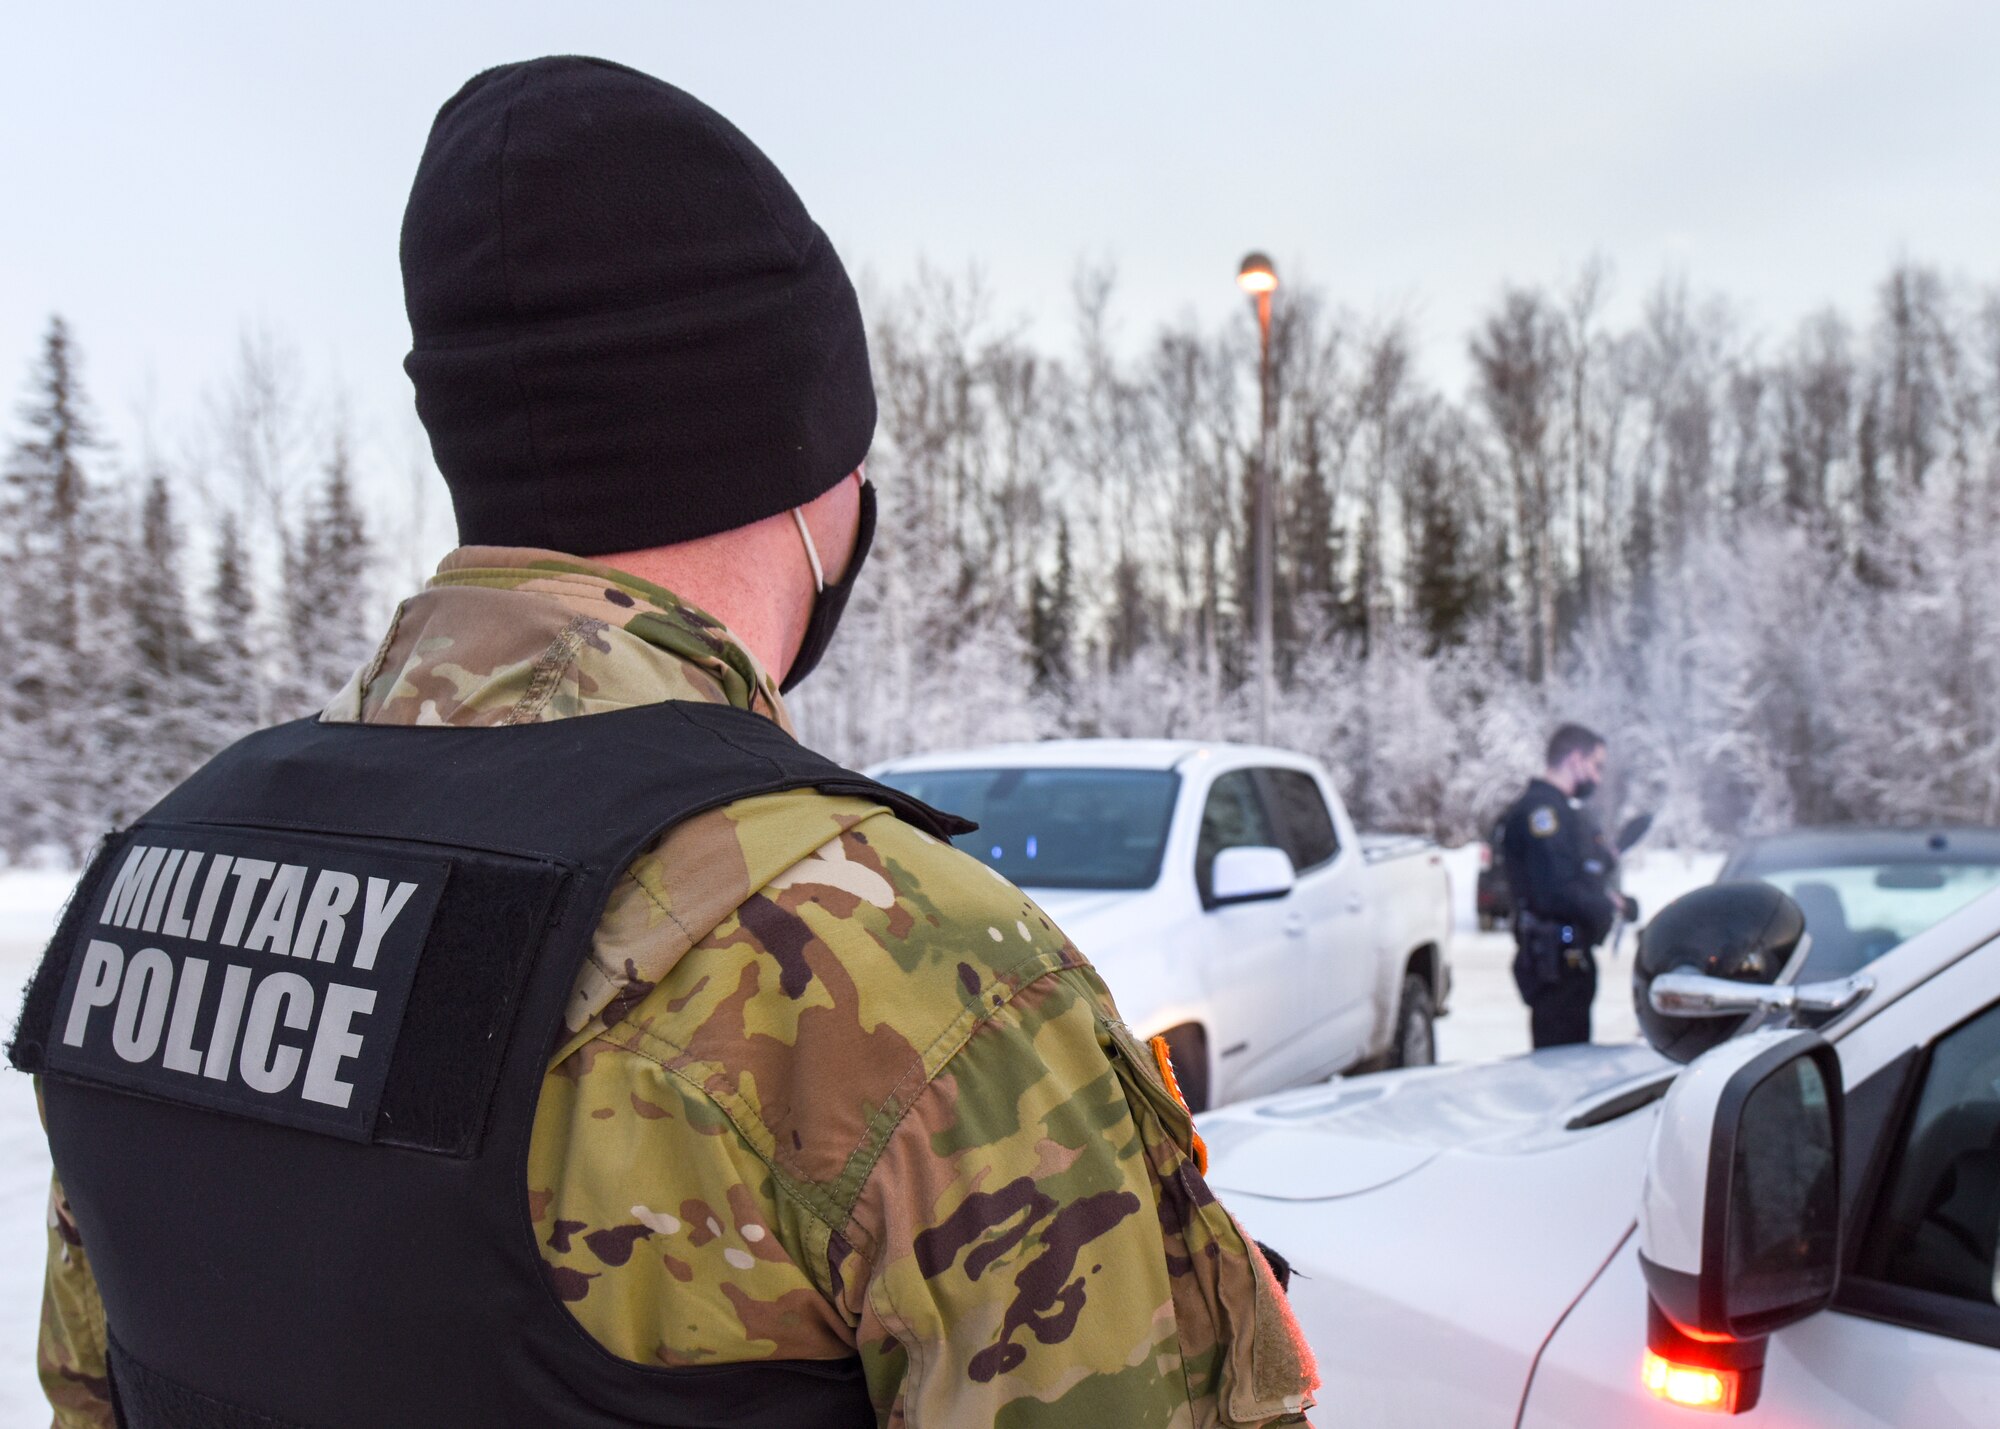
column 1281, row 1268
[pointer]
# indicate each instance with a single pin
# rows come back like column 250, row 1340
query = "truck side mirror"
column 1247, row 874
column 1739, row 1227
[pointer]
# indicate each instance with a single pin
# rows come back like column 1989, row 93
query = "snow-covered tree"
column 329, row 572
column 121, row 681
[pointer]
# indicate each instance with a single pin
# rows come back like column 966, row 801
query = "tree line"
column 1758, row 563
column 133, row 653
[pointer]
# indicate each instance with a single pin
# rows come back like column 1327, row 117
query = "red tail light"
column 1711, row 1376
column 1714, row 1391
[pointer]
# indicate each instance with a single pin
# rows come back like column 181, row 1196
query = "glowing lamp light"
column 1257, row 277
column 1712, row 1391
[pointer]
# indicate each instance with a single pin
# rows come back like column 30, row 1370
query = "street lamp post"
column 1259, row 278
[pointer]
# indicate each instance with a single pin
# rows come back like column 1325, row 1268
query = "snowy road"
column 1487, row 1020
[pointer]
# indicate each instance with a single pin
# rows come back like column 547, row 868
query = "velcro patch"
column 1542, row 822
column 264, row 974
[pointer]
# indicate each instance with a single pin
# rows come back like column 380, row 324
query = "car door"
column 1914, row 1335
column 1333, row 956
column 1256, row 1019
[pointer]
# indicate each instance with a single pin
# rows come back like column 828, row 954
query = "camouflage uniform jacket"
column 831, row 1086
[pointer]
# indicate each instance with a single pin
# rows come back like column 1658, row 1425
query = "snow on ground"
column 29, row 903
column 1461, row 867
column 1487, row 1020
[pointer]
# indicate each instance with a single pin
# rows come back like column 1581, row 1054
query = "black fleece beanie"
column 626, row 329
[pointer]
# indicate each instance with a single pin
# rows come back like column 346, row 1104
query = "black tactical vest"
column 292, row 1031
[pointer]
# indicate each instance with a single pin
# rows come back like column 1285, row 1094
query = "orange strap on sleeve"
column 1163, row 1059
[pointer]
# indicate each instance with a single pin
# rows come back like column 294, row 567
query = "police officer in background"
column 1559, row 869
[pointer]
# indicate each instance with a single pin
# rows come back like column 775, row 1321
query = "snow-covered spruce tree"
column 154, row 722
column 1052, row 619
column 329, row 569
column 60, row 665
column 236, row 696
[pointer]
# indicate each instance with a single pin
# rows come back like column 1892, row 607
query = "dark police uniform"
column 1558, row 867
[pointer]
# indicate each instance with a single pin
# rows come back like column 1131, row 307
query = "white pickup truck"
column 1223, row 894
column 1800, row 1227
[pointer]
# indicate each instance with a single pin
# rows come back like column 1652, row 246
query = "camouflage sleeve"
column 69, row 1356
column 1045, row 1252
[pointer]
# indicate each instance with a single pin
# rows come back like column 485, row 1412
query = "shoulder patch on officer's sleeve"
column 1542, row 822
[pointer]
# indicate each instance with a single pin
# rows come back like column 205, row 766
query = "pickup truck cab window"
column 1932, row 1245
column 1233, row 817
column 1057, row 827
column 1304, row 825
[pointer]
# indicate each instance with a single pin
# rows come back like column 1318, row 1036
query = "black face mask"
column 831, row 600
column 1583, row 790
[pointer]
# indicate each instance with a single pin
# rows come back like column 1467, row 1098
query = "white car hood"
column 1427, row 1301
column 1361, row 1133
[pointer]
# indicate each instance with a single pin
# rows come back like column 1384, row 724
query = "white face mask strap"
column 812, row 552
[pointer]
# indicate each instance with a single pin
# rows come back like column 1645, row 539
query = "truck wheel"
column 1416, row 1038
column 1187, row 1046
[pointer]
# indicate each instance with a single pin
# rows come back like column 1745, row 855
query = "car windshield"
column 1057, row 828
column 1858, row 911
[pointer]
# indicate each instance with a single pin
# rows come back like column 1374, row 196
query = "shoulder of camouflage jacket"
column 770, row 990
column 822, row 1005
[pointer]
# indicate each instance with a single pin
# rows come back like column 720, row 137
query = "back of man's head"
column 627, row 330
column 1572, row 739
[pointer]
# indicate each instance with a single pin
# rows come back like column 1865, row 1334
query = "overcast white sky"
column 172, row 172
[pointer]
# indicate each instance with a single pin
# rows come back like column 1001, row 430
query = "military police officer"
column 542, row 1036
column 1559, row 869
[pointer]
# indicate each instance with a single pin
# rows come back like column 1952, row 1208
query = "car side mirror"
column 1739, row 1226
column 1248, row 874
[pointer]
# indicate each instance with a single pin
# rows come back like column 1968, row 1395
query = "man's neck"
column 757, row 579
column 1564, row 785
column 754, row 579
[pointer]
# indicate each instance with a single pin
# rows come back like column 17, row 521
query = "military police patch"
column 1542, row 822
column 258, row 973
